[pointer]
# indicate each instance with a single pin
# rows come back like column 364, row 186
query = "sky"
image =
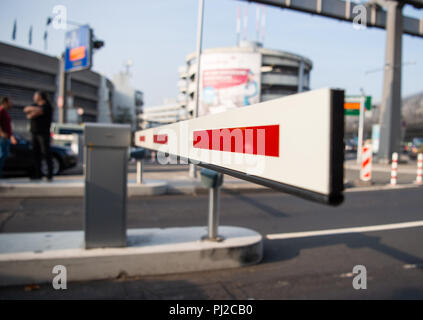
column 158, row 35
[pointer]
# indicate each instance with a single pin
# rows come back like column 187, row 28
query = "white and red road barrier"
column 394, row 171
column 419, row 179
column 260, row 144
column 366, row 163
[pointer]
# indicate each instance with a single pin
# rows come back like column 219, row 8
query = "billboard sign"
column 263, row 143
column 228, row 81
column 78, row 49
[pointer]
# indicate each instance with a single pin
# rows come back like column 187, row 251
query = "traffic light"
column 98, row 44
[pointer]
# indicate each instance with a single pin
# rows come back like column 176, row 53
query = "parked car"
column 21, row 161
column 137, row 154
column 350, row 145
column 416, row 148
column 406, row 147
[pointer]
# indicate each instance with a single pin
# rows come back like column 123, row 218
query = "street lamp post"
column 193, row 167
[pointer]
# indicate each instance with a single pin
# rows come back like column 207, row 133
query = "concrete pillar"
column 390, row 117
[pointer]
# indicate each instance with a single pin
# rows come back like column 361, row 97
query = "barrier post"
column 214, row 210
column 394, row 171
column 419, row 179
column 366, row 163
column 212, row 180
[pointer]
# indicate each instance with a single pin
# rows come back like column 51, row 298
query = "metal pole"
column 62, row 91
column 214, row 209
column 361, row 127
column 140, row 165
column 193, row 168
column 390, row 117
column 301, row 76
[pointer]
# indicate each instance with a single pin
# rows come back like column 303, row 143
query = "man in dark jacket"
column 40, row 115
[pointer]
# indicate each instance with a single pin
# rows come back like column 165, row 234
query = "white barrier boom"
column 293, row 144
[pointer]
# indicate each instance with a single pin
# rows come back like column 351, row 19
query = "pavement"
column 158, row 180
column 310, row 250
column 29, row 258
column 174, row 179
column 307, row 252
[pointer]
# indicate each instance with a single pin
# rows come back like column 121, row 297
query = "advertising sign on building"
column 229, row 81
column 78, row 49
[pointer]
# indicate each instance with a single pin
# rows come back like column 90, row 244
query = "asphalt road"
column 318, row 267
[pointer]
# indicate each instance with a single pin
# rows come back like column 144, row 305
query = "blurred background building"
column 92, row 97
column 277, row 73
column 233, row 77
column 411, row 125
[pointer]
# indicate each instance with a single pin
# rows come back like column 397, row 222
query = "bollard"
column 419, row 179
column 139, row 156
column 140, row 164
column 394, row 171
column 213, row 180
column 366, row 164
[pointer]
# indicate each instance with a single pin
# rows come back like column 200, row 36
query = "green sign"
column 352, row 105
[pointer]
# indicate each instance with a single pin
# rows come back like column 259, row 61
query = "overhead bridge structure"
column 376, row 16
column 384, row 14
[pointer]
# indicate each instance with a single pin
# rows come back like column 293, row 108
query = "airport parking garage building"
column 280, row 73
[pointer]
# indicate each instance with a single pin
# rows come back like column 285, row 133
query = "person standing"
column 6, row 136
column 40, row 115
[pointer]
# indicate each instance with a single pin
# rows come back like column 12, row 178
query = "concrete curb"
column 155, row 188
column 384, row 169
column 195, row 187
column 29, row 258
column 72, row 189
column 384, row 187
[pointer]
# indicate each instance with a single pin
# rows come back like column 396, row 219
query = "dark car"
column 350, row 145
column 20, row 160
column 137, row 154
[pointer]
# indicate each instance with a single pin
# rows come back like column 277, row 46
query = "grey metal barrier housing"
column 106, row 159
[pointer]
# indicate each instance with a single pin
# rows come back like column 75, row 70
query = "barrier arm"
column 294, row 144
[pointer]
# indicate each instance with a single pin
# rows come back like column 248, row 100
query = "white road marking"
column 412, row 266
column 347, row 275
column 409, row 266
column 383, row 227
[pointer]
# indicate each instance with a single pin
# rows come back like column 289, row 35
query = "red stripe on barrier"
column 142, row 138
column 366, row 162
column 160, row 138
column 260, row 140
